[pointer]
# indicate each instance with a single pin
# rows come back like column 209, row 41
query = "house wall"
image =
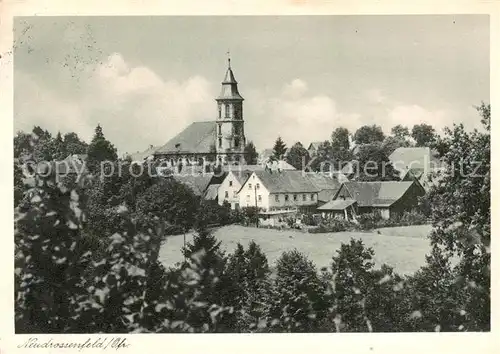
column 343, row 193
column 408, row 201
column 254, row 193
column 230, row 187
column 277, row 201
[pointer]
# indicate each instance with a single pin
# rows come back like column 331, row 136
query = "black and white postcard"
column 304, row 176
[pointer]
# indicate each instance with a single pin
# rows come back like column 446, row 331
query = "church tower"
column 230, row 134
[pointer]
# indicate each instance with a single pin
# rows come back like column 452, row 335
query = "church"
column 221, row 140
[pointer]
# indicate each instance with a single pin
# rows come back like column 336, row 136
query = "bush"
column 369, row 221
column 251, row 215
column 311, row 220
column 413, row 218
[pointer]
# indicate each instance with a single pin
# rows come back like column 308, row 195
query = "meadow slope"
column 403, row 248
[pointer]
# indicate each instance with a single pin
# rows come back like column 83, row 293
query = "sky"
column 144, row 79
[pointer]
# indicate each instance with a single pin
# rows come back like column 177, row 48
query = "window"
column 304, row 197
column 220, row 142
column 249, row 185
column 220, row 129
column 312, row 196
column 226, row 195
column 260, row 198
column 230, row 183
column 295, row 197
column 220, row 111
column 248, row 197
column 235, row 194
column 236, row 142
column 286, row 197
column 227, row 111
column 277, row 198
column 257, row 185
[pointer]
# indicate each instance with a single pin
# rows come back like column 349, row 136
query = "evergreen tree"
column 99, row 150
column 297, row 302
column 279, row 149
column 250, row 154
column 60, row 152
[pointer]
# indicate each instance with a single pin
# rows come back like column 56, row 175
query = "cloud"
column 295, row 115
column 134, row 105
column 35, row 104
column 375, row 96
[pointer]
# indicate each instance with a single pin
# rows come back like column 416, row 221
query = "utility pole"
column 256, row 207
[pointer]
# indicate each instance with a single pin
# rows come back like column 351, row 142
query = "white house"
column 279, row 191
column 230, row 186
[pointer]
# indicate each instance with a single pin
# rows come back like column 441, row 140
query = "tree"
column 423, row 134
column 200, row 306
column 373, row 164
column 247, row 274
column 297, row 299
column 23, row 144
column 60, row 152
column 400, row 132
column 250, row 154
column 171, row 201
column 369, row 134
column 392, row 143
column 44, row 148
column 73, row 144
column 279, row 149
column 18, row 184
column 461, row 214
column 298, row 156
column 340, row 139
column 99, row 150
column 352, row 272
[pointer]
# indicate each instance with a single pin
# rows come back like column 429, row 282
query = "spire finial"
column 228, row 59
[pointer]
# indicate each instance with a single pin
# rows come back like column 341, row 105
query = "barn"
column 387, row 198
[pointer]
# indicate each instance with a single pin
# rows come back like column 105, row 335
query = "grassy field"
column 403, row 248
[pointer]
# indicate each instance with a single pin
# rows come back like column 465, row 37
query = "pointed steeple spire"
column 229, row 84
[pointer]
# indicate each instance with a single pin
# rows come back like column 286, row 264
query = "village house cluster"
column 276, row 188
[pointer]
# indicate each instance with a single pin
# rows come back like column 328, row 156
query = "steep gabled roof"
column 198, row 184
column 286, row 182
column 315, row 145
column 322, row 181
column 212, row 192
column 197, row 138
column 377, row 193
